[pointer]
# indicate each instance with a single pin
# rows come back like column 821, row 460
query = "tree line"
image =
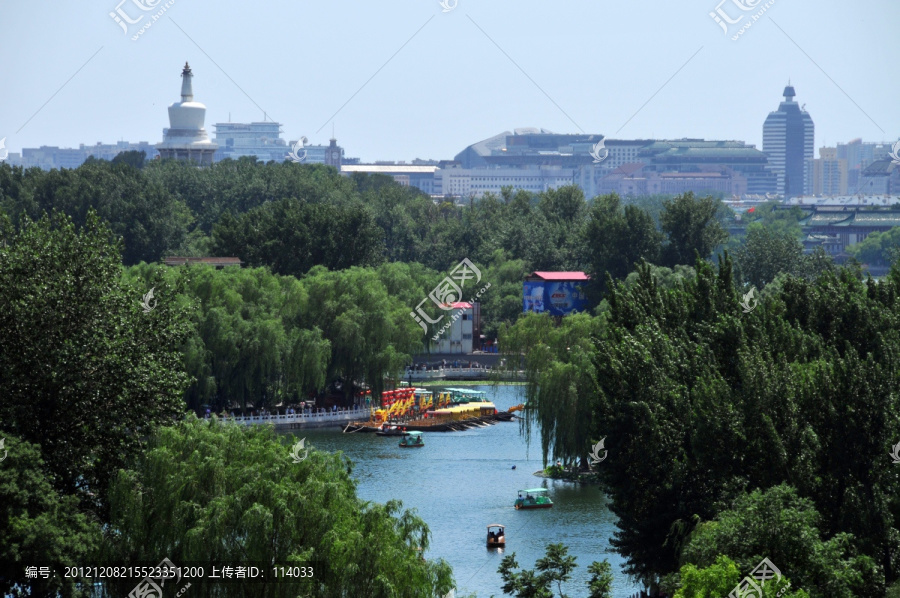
column 736, row 430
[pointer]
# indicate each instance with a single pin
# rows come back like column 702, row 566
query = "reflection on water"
column 462, row 481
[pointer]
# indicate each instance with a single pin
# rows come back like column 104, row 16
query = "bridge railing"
column 319, row 416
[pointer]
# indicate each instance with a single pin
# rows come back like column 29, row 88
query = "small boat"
column 389, row 430
column 496, row 536
column 535, row 498
column 412, row 440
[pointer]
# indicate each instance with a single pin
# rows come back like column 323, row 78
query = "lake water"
column 462, row 481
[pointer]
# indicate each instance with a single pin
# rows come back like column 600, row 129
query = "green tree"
column 692, row 227
column 776, row 217
column 721, row 577
column 562, row 387
column 767, row 252
column 38, row 526
column 372, row 336
column 700, row 402
column 133, row 158
column 878, row 249
column 779, row 525
column 86, row 374
column 291, row 236
column 600, row 584
column 553, row 569
column 616, row 239
column 209, row 492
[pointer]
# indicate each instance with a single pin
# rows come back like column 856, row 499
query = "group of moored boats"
column 423, row 410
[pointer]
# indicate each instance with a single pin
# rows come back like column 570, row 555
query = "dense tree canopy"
column 38, row 524
column 207, row 492
column 85, row 372
column 700, row 403
column 720, row 424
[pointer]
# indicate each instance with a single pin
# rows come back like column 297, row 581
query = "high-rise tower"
column 789, row 141
column 186, row 139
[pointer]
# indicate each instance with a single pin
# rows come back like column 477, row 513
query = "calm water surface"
column 462, row 481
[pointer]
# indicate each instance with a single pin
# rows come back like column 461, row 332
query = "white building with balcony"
column 462, row 323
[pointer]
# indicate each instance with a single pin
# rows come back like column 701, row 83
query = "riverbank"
column 581, row 476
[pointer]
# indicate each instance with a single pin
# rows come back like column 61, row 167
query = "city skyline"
column 430, row 82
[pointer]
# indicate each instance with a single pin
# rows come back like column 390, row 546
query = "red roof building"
column 218, row 262
column 566, row 276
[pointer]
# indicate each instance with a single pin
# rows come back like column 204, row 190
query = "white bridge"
column 452, row 373
column 320, row 418
column 447, row 373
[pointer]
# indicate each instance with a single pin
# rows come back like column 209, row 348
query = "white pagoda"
column 186, row 139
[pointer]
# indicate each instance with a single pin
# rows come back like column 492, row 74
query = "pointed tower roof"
column 187, row 90
column 789, row 93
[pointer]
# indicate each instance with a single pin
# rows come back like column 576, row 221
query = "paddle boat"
column 535, row 498
column 390, row 430
column 412, row 440
column 496, row 536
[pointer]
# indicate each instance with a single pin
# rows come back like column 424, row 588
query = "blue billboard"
column 533, row 294
column 558, row 298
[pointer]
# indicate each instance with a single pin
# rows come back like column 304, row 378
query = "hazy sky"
column 439, row 81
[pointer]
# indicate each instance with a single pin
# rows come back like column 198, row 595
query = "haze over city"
column 407, row 80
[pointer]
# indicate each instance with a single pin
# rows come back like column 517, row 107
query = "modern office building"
column 186, row 139
column 536, row 160
column 741, row 168
column 260, row 139
column 330, row 155
column 789, row 141
column 476, row 182
column 827, row 174
column 639, row 179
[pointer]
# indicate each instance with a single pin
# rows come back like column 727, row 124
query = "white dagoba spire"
column 187, row 91
column 186, row 139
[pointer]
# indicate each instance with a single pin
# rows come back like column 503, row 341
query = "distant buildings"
column 859, row 155
column 835, row 228
column 260, row 139
column 423, row 177
column 789, row 141
column 537, row 160
column 845, row 201
column 330, row 155
column 49, row 157
column 745, row 164
column 881, row 177
column 827, row 174
column 186, row 139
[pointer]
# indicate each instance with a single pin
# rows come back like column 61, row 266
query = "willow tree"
column 371, row 334
column 561, row 388
column 207, row 492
